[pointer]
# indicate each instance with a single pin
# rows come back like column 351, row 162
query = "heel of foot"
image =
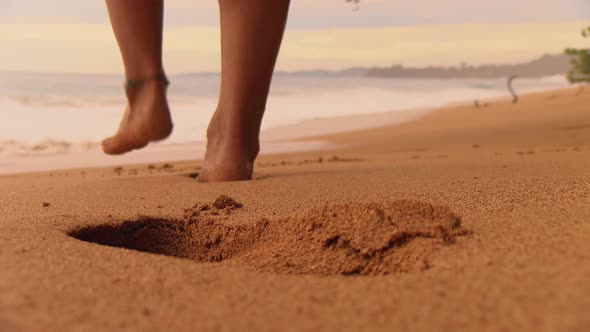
column 234, row 172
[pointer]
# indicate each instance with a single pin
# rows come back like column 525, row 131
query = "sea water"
column 52, row 121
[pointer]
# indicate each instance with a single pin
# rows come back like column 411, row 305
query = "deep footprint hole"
column 206, row 242
column 348, row 239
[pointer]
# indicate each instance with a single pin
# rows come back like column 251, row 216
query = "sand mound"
column 366, row 239
column 362, row 239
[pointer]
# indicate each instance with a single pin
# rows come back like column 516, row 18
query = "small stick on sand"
column 511, row 90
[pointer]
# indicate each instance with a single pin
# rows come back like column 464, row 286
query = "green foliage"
column 580, row 61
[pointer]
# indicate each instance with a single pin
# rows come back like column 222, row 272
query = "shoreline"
column 278, row 140
column 285, row 142
column 305, row 136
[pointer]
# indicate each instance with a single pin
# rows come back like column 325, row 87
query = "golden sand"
column 466, row 219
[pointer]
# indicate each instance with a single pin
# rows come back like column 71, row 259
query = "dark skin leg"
column 251, row 35
column 138, row 28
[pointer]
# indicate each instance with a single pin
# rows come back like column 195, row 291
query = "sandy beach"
column 472, row 219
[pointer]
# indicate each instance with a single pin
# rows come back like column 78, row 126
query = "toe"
column 118, row 145
column 113, row 146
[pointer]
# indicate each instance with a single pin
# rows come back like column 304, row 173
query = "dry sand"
column 466, row 219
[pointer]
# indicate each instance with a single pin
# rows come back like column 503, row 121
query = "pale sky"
column 74, row 35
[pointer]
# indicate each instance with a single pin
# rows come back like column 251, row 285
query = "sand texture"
column 465, row 219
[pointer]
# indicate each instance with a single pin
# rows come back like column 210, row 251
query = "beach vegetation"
column 579, row 72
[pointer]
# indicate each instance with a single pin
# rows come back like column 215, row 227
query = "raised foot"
column 147, row 119
column 135, row 136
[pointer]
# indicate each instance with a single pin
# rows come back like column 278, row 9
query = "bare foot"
column 147, row 119
column 230, row 155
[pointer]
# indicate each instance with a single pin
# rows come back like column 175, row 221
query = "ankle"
column 227, row 136
column 249, row 146
column 152, row 89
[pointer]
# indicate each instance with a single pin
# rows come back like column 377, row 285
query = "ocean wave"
column 59, row 101
column 47, row 147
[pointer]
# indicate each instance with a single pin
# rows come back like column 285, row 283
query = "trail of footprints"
column 193, row 171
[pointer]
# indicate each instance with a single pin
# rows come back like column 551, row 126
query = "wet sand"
column 465, row 219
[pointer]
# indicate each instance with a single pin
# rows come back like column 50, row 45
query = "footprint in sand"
column 193, row 175
column 345, row 239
